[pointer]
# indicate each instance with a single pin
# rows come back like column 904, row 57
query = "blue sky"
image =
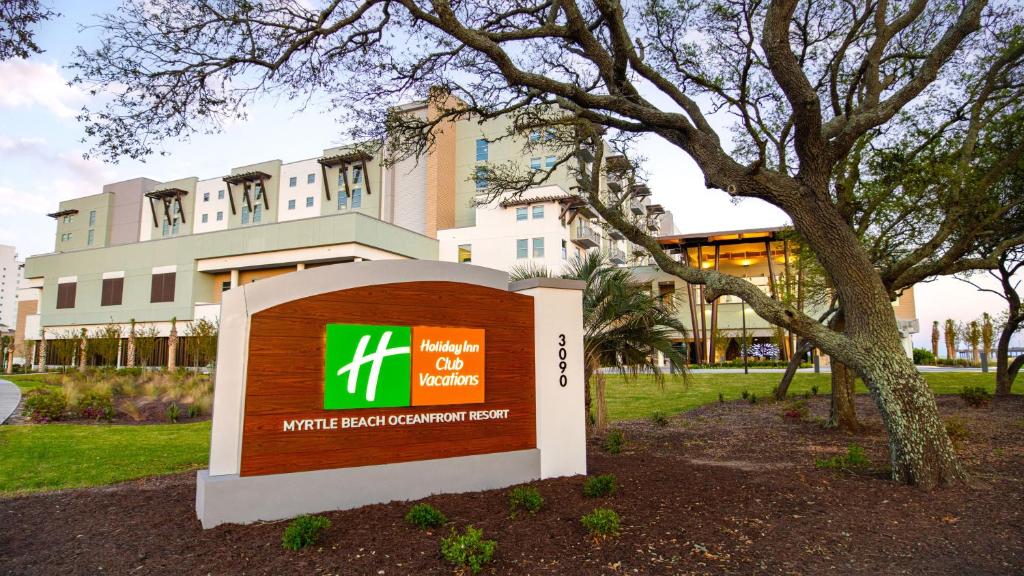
column 41, row 159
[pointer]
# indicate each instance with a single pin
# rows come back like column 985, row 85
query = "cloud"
column 90, row 173
column 30, row 83
column 13, row 201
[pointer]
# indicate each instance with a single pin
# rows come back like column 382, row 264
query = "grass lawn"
column 52, row 456
column 25, row 381
column 641, row 397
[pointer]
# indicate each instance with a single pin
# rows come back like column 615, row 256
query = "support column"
column 234, row 279
column 300, row 266
column 714, row 312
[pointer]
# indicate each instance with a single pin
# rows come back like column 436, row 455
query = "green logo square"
column 367, row 366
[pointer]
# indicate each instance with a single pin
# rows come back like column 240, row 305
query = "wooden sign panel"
column 287, row 429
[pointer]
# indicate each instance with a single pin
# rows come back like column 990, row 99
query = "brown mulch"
column 726, row 489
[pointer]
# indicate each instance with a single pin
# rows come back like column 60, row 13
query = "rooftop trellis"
column 246, row 179
column 63, row 213
column 359, row 157
column 167, row 196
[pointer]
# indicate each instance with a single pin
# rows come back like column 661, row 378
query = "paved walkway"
column 10, row 395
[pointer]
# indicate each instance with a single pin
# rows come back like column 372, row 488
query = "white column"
column 300, row 266
column 234, row 278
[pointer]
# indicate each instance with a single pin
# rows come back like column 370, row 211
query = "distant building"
column 10, row 275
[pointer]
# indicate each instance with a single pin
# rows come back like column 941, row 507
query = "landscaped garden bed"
column 727, row 488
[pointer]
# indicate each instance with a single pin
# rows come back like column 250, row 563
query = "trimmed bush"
column 173, row 412
column 602, row 522
column 599, row 486
column 44, row 405
column 425, row 516
column 524, row 499
column 957, row 430
column 304, row 531
column 853, row 459
column 95, row 406
column 975, row 396
column 468, row 550
column 923, row 356
column 659, row 419
column 614, row 441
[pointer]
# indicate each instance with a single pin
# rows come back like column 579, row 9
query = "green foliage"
column 601, row 522
column 425, row 516
column 94, row 405
column 975, row 396
column 304, row 531
column 957, row 429
column 814, row 390
column 173, row 412
column 468, row 550
column 853, row 459
column 45, row 405
column 753, row 398
column 659, row 419
column 745, row 394
column 194, row 411
column 721, row 397
column 614, row 441
column 923, row 357
column 796, row 410
column 599, row 486
column 524, row 499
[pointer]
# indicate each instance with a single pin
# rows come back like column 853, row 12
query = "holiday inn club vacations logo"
column 370, row 366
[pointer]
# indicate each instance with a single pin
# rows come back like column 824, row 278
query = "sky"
column 41, row 161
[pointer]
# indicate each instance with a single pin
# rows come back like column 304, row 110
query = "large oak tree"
column 801, row 84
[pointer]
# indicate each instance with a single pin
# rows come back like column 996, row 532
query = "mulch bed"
column 726, row 489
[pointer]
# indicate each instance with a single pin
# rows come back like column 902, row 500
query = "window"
column 206, row 218
column 309, row 201
column 225, row 286
column 206, row 196
column 565, row 251
column 69, row 218
column 357, row 174
column 291, row 204
column 165, row 229
column 245, row 214
column 257, row 191
column 465, row 253
column 534, row 163
column 535, row 136
column 522, row 248
column 549, row 134
column 92, row 217
column 162, row 287
column 481, row 150
column 292, row 182
column 220, row 194
column 174, row 226
column 220, row 216
column 342, row 200
column 257, row 213
column 66, row 294
column 90, row 237
column 538, row 212
column 357, row 197
column 538, row 247
column 481, row 178
column 549, row 161
column 521, row 213
column 310, row 178
column 111, row 292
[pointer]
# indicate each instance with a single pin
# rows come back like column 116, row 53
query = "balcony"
column 636, row 207
column 616, row 255
column 614, row 233
column 583, row 235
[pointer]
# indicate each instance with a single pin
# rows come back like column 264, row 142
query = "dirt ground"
column 726, row 489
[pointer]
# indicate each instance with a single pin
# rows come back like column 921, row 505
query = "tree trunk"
column 794, row 362
column 842, row 413
column 601, row 418
column 1006, row 371
column 130, row 360
column 172, row 347
column 42, row 353
column 588, row 372
column 82, row 352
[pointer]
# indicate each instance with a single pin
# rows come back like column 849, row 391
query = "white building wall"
column 211, row 201
column 493, row 240
column 10, row 274
column 405, row 203
column 306, row 175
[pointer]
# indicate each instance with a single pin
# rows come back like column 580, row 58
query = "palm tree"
column 624, row 325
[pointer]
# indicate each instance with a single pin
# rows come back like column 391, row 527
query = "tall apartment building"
column 10, row 275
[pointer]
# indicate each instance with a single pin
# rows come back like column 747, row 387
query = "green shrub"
column 923, row 356
column 975, row 396
column 814, row 390
column 599, row 486
column 659, row 419
column 45, row 405
column 745, row 394
column 601, row 522
column 173, row 412
column 468, row 550
column 753, row 398
column 425, row 516
column 194, row 411
column 304, row 531
column 721, row 397
column 524, row 499
column 853, row 459
column 614, row 441
column 95, row 405
column 957, row 429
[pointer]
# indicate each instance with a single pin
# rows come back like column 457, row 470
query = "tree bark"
column 843, row 412
column 794, row 362
column 1006, row 371
column 601, row 418
column 588, row 371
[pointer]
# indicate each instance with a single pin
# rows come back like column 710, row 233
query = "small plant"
column 659, row 419
column 524, row 499
column 304, row 531
column 745, row 394
column 173, row 412
column 602, row 522
column 468, row 550
column 614, row 441
column 957, row 430
column 194, row 411
column 814, row 390
column 753, row 398
column 425, row 516
column 721, row 397
column 796, row 411
column 42, row 405
column 853, row 459
column 95, row 405
column 599, row 486
column 975, row 396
